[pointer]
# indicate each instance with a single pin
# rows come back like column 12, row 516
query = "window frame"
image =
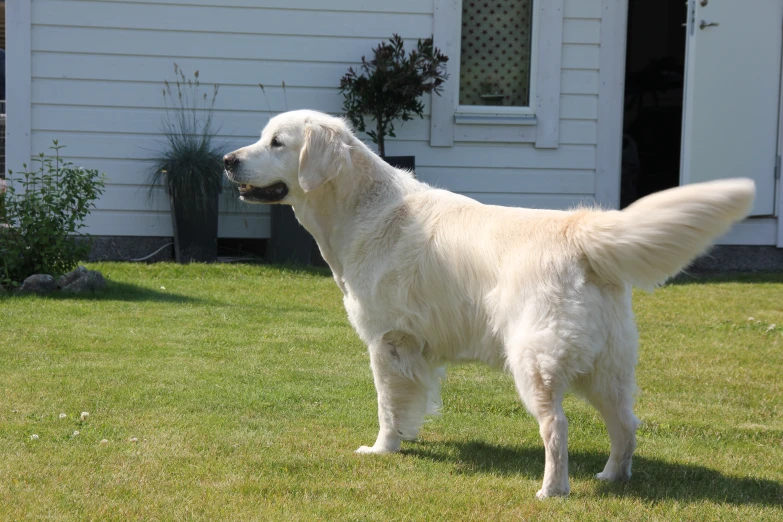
column 537, row 123
column 505, row 113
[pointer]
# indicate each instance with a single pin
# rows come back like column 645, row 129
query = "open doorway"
column 655, row 72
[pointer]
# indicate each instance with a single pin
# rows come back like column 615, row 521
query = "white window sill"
column 487, row 118
column 494, row 115
column 495, row 124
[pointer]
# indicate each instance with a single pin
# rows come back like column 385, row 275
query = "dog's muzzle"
column 250, row 193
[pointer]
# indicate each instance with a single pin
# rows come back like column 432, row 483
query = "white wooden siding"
column 98, row 67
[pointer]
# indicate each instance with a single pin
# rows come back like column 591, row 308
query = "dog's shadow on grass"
column 118, row 291
column 653, row 479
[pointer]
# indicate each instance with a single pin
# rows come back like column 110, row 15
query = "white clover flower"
column 75, row 433
column 771, row 327
column 84, row 415
column 133, row 439
column 33, row 437
column 62, row 416
column 104, row 441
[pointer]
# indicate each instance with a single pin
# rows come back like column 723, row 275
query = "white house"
column 90, row 74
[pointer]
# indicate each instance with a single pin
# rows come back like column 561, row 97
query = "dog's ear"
column 324, row 155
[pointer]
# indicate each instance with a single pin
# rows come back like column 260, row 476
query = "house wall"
column 96, row 85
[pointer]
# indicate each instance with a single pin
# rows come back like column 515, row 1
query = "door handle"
column 704, row 24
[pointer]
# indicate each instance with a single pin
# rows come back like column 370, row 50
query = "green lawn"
column 247, row 392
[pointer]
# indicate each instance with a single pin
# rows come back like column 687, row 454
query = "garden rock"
column 41, row 284
column 81, row 281
column 71, row 276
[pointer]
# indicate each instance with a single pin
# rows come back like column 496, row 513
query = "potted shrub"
column 389, row 88
column 190, row 167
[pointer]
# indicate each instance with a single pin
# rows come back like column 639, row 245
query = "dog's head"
column 299, row 151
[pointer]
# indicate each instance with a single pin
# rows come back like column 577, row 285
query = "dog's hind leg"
column 613, row 398
column 610, row 387
column 542, row 390
column 404, row 382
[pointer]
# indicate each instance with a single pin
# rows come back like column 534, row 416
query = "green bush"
column 42, row 212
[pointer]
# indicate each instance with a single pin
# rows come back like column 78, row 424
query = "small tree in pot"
column 190, row 167
column 390, row 86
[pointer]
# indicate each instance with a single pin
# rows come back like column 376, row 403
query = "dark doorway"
column 654, row 78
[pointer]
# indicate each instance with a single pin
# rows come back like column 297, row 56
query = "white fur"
column 431, row 277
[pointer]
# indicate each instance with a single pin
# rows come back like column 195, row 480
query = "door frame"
column 18, row 85
column 611, row 100
column 779, row 168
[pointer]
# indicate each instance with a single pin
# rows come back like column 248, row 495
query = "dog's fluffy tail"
column 660, row 234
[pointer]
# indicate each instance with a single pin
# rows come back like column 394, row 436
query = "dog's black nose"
column 230, row 161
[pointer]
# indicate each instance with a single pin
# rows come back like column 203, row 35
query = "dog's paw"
column 542, row 493
column 365, row 450
column 613, row 476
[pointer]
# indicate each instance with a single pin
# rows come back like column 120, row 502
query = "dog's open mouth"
column 268, row 194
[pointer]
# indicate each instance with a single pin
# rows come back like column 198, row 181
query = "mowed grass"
column 246, row 391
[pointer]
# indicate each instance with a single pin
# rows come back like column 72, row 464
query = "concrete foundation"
column 126, row 248
column 721, row 259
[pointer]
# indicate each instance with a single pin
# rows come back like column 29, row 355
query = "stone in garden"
column 71, row 276
column 40, row 284
column 82, row 280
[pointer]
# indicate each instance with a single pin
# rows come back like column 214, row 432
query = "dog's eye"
column 276, row 143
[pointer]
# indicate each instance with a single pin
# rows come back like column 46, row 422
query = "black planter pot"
column 402, row 162
column 290, row 242
column 195, row 233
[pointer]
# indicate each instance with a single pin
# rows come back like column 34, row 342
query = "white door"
column 732, row 94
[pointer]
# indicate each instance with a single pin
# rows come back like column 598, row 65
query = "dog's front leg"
column 402, row 380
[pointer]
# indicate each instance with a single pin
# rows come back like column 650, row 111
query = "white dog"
column 429, row 277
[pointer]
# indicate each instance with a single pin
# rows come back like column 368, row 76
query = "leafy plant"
column 390, row 85
column 189, row 164
column 43, row 211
